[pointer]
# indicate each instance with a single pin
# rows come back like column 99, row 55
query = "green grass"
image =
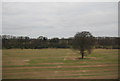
column 19, row 62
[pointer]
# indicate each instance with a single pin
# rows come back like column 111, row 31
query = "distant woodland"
column 23, row 42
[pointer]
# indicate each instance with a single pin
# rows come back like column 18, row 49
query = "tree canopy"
column 83, row 41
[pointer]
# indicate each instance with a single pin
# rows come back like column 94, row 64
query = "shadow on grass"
column 79, row 58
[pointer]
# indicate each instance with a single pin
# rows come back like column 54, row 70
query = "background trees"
column 24, row 42
column 83, row 41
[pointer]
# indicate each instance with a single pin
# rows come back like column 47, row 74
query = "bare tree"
column 83, row 41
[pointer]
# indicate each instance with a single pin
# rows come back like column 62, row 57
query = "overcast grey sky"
column 61, row 19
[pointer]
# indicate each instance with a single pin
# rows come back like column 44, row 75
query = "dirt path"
column 92, row 77
column 62, row 71
column 32, row 67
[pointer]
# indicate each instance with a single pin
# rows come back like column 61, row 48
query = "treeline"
column 22, row 42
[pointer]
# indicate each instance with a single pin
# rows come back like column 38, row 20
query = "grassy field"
column 59, row 63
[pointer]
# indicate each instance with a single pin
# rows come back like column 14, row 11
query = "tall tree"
column 83, row 41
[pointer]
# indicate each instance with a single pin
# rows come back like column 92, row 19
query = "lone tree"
column 83, row 41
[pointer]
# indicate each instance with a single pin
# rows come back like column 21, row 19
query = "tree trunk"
column 82, row 55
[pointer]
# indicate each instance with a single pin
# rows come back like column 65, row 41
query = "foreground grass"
column 59, row 63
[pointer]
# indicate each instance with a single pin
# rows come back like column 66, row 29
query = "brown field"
column 59, row 64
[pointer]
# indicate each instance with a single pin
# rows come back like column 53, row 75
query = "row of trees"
column 32, row 43
column 9, row 41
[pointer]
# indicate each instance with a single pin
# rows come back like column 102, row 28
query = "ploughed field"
column 59, row 64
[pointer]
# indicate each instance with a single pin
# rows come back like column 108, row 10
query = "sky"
column 59, row 19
